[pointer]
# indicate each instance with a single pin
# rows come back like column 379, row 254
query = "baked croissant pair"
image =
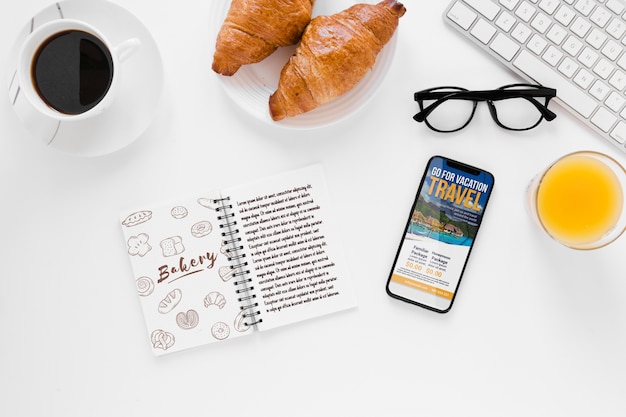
column 334, row 53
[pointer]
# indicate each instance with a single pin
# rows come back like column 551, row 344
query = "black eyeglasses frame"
column 526, row 91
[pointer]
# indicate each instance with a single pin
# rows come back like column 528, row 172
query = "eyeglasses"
column 512, row 107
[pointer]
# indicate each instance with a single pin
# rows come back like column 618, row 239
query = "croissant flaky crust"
column 253, row 29
column 335, row 53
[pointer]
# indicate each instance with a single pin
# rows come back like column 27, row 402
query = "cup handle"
column 127, row 48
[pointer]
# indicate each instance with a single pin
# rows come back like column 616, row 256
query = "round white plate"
column 252, row 85
column 140, row 91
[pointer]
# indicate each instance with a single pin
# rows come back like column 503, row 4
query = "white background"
column 536, row 329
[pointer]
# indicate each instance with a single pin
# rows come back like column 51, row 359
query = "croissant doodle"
column 253, row 29
column 335, row 53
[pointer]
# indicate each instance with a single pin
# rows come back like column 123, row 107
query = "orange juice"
column 579, row 200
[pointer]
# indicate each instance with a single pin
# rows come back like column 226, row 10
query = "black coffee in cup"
column 72, row 71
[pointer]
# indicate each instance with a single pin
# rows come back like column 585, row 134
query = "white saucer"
column 139, row 94
column 252, row 85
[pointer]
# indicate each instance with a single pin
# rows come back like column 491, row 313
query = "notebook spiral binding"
column 233, row 248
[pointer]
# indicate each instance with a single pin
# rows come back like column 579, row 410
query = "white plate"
column 140, row 90
column 252, row 85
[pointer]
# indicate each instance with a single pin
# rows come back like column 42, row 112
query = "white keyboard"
column 574, row 46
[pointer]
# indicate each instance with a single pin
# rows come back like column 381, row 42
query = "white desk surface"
column 536, row 329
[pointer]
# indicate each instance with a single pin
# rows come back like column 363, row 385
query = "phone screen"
column 439, row 234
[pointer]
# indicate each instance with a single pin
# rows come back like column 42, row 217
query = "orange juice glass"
column 580, row 200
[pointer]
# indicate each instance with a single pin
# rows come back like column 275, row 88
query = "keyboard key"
column 618, row 80
column 556, row 34
column 565, row 91
column 462, row 15
column 541, row 22
column 509, row 4
column 568, row 67
column 580, row 27
column 585, row 6
column 599, row 90
column 552, row 56
column 521, row 33
column 588, row 57
column 603, row 69
column 525, row 11
column 548, row 6
column 484, row 7
column 615, row 6
column 600, row 16
column 504, row 47
column 612, row 50
column 572, row 46
column 604, row 119
column 583, row 79
column 616, row 28
column 505, row 21
column 615, row 101
column 483, row 31
column 565, row 15
column 596, row 38
column 537, row 44
column 619, row 133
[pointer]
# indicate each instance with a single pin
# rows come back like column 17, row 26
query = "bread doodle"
column 226, row 273
column 201, row 229
column 208, row 203
column 145, row 286
column 187, row 320
column 254, row 29
column 172, row 246
column 170, row 301
column 241, row 322
column 335, row 53
column 215, row 298
column 162, row 339
column 220, row 331
column 137, row 218
column 138, row 245
column 179, row 212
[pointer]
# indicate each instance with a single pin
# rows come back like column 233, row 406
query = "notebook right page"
column 295, row 259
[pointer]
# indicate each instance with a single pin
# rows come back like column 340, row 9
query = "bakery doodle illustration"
column 179, row 212
column 137, row 218
column 170, row 301
column 209, row 203
column 201, row 229
column 138, row 245
column 220, row 330
column 241, row 323
column 187, row 320
column 162, row 339
column 172, row 246
column 145, row 286
column 215, row 298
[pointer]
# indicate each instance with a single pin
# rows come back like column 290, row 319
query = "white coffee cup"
column 39, row 37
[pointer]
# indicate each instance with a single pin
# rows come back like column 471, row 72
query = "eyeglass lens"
column 517, row 113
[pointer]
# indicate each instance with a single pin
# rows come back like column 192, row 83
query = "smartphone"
column 439, row 235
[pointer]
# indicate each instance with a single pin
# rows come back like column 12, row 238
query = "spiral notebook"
column 220, row 265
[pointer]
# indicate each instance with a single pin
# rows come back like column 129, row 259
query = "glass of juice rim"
column 579, row 200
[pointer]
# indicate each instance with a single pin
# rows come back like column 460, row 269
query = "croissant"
column 253, row 29
column 335, row 53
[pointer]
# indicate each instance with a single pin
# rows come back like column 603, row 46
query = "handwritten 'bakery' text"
column 186, row 267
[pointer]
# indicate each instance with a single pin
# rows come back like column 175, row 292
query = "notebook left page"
column 182, row 273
